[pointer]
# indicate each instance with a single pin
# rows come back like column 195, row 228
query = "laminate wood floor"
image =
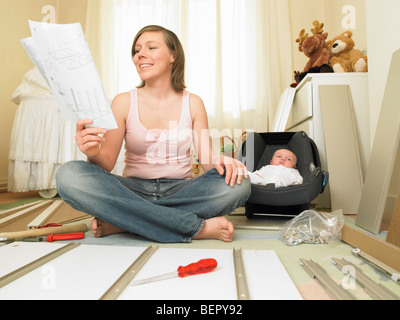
column 8, row 197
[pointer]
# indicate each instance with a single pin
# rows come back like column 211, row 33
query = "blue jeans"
column 163, row 210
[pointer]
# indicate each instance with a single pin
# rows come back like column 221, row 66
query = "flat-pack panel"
column 87, row 272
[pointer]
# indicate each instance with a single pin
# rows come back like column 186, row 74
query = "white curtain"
column 238, row 52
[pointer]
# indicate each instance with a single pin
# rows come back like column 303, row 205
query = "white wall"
column 383, row 38
column 336, row 16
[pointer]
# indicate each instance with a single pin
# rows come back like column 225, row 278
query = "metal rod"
column 241, row 280
column 14, row 275
column 123, row 281
column 378, row 265
column 335, row 291
column 375, row 290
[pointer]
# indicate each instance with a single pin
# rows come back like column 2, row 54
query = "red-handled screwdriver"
column 65, row 236
column 57, row 237
column 202, row 266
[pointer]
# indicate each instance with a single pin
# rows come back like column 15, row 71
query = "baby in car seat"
column 281, row 171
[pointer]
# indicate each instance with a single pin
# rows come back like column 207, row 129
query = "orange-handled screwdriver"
column 202, row 266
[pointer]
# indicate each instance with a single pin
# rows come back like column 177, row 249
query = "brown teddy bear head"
column 341, row 44
column 311, row 44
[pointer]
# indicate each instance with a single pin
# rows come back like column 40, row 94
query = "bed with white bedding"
column 41, row 141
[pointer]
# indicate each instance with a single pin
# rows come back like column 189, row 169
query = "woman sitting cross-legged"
column 157, row 196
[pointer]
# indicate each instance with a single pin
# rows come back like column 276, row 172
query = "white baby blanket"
column 278, row 175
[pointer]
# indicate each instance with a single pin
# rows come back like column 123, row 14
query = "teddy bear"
column 314, row 47
column 344, row 58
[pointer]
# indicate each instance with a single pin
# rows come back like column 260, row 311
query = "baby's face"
column 284, row 158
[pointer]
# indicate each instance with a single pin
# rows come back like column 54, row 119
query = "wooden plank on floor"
column 66, row 214
column 8, row 212
column 380, row 250
column 41, row 219
column 393, row 235
column 18, row 215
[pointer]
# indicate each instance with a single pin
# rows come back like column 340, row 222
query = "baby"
column 282, row 171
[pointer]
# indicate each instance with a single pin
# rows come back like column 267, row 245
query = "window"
column 238, row 52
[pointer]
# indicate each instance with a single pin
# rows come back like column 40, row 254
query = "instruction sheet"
column 62, row 55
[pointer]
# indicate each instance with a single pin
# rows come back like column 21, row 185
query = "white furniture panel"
column 86, row 272
column 306, row 126
column 307, row 96
column 342, row 150
column 302, row 108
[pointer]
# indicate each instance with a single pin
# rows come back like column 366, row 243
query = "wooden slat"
column 41, row 219
column 393, row 235
column 22, row 213
column 8, row 212
column 380, row 250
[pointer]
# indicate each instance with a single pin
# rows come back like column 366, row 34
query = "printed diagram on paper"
column 62, row 55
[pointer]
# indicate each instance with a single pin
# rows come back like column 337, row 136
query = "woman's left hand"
column 233, row 169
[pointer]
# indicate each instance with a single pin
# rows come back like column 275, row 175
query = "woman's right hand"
column 88, row 139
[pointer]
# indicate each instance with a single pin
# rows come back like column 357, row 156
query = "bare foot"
column 218, row 228
column 101, row 228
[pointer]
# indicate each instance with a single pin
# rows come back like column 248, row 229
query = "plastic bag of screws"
column 313, row 227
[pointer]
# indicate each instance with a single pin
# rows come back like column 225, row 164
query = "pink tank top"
column 156, row 154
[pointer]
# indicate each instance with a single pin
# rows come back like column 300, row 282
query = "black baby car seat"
column 257, row 151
